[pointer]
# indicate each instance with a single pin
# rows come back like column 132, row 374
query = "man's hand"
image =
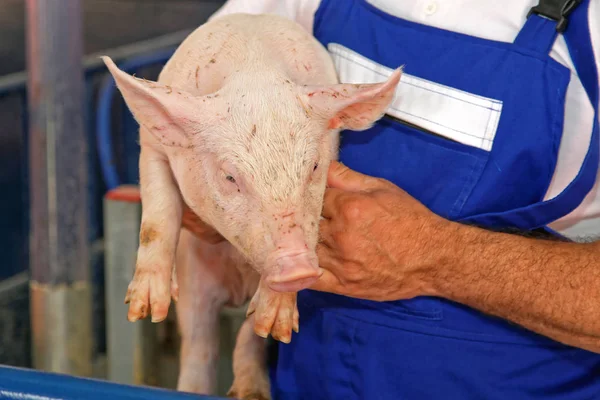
column 375, row 239
column 199, row 228
column 378, row 243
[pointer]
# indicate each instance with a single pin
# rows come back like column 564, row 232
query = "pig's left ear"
column 171, row 115
column 349, row 106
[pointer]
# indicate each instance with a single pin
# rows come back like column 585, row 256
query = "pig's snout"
column 292, row 272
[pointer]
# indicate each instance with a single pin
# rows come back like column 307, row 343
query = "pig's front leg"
column 150, row 289
column 250, row 376
column 274, row 312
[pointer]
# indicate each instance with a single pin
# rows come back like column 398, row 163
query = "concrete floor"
column 107, row 24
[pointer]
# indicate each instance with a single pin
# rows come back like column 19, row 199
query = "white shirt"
column 500, row 21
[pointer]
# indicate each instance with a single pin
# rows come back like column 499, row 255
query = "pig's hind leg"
column 200, row 272
column 151, row 288
column 268, row 312
column 251, row 379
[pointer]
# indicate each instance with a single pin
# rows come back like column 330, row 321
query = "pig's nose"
column 293, row 272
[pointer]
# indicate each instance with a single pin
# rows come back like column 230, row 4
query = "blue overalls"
column 430, row 348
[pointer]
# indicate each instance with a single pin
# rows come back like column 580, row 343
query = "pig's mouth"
column 293, row 272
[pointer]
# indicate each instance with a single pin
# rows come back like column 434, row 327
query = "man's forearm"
column 552, row 288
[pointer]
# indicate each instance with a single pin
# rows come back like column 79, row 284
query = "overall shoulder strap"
column 579, row 42
column 569, row 18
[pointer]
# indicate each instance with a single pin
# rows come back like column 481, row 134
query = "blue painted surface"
column 17, row 383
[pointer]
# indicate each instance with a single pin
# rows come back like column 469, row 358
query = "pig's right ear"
column 351, row 106
column 172, row 116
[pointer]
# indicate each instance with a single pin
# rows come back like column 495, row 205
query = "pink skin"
column 241, row 126
column 211, row 276
column 291, row 268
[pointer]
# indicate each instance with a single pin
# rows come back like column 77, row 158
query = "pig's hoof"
column 257, row 389
column 249, row 396
column 275, row 313
column 149, row 293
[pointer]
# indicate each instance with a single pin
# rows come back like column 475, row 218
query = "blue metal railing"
column 18, row 383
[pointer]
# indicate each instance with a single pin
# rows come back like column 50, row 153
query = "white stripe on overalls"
column 452, row 113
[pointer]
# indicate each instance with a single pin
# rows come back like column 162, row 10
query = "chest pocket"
column 410, row 156
column 459, row 152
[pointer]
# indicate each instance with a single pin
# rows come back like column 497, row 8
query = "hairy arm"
column 552, row 288
column 379, row 243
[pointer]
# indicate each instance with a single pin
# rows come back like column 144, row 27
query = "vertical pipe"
column 59, row 248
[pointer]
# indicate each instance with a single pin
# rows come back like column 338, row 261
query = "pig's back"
column 238, row 42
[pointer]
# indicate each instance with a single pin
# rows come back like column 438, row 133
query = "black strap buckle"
column 557, row 10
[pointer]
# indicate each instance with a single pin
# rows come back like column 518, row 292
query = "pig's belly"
column 217, row 266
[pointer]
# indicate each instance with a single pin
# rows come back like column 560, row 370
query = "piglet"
column 240, row 127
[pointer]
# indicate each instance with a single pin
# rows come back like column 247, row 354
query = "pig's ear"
column 172, row 116
column 350, row 106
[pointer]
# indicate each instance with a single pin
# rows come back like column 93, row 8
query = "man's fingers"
column 341, row 177
column 325, row 237
column 199, row 228
column 327, row 283
column 329, row 203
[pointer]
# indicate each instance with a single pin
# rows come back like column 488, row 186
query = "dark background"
column 107, row 24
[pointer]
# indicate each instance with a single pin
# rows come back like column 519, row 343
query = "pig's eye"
column 315, row 167
column 228, row 179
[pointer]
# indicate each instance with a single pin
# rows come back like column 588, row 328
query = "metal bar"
column 92, row 62
column 131, row 348
column 13, row 283
column 59, row 249
column 17, row 383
